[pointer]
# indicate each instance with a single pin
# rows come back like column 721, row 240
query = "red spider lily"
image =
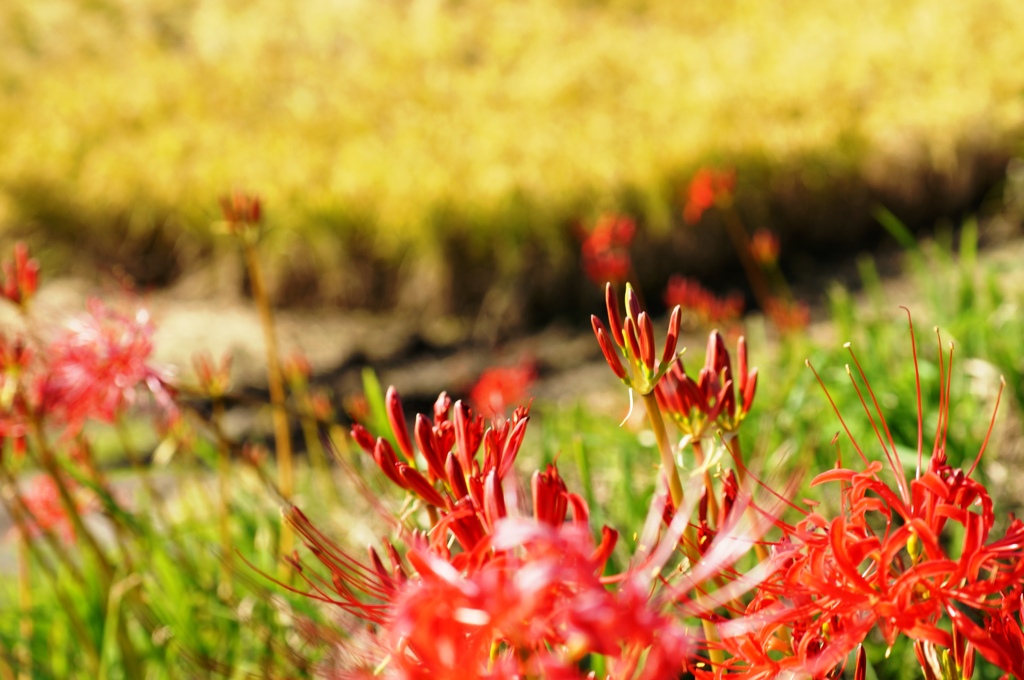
column 633, row 340
column 485, row 591
column 530, row 600
column 702, row 306
column 97, row 366
column 764, row 247
column 788, row 316
column 605, row 249
column 881, row 562
column 712, row 399
column 498, row 388
column 21, row 277
column 708, row 188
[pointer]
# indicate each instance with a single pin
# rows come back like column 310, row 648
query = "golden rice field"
column 392, row 123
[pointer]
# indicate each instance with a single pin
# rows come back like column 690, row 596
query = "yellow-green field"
column 399, row 120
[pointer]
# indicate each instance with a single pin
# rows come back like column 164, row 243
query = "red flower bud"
column 672, row 337
column 396, row 418
column 614, row 318
column 611, row 354
column 419, row 485
column 646, row 329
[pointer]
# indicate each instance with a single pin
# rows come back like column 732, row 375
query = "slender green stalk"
column 275, row 382
column 668, row 462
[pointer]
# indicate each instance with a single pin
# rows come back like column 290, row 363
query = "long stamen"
column 917, row 381
column 890, row 451
column 835, row 409
column 991, row 424
column 942, row 410
column 948, row 388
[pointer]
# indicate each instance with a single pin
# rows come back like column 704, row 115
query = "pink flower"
column 98, row 366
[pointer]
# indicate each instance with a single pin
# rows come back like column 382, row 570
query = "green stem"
column 275, row 383
column 668, row 463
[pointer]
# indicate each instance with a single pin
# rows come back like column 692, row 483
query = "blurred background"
column 442, row 158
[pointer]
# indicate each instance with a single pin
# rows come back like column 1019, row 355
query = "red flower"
column 880, row 562
column 97, row 367
column 711, row 400
column 605, row 249
column 499, row 388
column 632, row 340
column 708, row 188
column 21, row 277
column 701, row 306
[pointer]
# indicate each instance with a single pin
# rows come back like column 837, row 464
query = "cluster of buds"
column 21, row 277
column 707, row 189
column 447, row 473
column 702, row 306
column 632, row 340
column 242, row 214
column 605, row 249
column 714, row 398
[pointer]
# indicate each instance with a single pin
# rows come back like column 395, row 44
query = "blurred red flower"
column 497, row 389
column 21, row 277
column 788, row 316
column 605, row 249
column 708, row 188
column 703, row 307
column 98, row 366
